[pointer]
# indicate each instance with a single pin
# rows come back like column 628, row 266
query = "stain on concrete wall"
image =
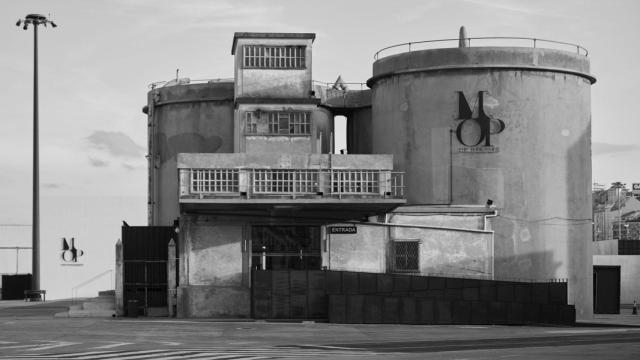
column 196, row 118
column 213, row 261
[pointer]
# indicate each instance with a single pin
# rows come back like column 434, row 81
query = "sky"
column 95, row 68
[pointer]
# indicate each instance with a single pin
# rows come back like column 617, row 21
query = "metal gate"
column 606, row 289
column 288, row 294
column 145, row 255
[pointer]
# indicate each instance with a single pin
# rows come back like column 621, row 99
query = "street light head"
column 19, row 22
column 36, row 17
column 53, row 24
column 25, row 26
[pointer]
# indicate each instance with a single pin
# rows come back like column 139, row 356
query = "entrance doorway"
column 606, row 289
column 285, row 248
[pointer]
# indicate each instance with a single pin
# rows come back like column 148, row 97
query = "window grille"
column 279, row 123
column 214, row 181
column 356, row 182
column 405, row 254
column 285, row 182
column 274, row 57
column 252, row 122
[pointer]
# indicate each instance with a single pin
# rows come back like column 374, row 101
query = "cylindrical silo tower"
column 506, row 124
column 184, row 118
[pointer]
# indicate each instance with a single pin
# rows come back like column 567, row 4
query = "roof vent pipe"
column 463, row 42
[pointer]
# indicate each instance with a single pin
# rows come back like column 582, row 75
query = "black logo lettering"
column 70, row 253
column 487, row 126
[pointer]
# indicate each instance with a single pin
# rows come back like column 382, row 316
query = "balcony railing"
column 290, row 183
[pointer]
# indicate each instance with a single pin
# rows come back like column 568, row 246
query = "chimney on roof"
column 463, row 42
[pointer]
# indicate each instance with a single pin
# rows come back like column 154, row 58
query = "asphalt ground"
column 29, row 331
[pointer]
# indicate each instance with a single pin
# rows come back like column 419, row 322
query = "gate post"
column 171, row 278
column 119, row 279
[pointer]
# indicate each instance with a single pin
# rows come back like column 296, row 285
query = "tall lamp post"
column 35, row 20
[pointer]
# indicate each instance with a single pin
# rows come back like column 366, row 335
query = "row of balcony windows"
column 266, row 182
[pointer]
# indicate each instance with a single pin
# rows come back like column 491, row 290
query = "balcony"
column 335, row 186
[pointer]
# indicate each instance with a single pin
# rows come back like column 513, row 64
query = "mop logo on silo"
column 70, row 254
column 475, row 132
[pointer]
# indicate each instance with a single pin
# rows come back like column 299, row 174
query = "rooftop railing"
column 185, row 81
column 481, row 41
column 290, row 183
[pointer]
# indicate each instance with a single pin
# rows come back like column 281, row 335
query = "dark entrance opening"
column 606, row 289
column 285, row 248
column 145, row 255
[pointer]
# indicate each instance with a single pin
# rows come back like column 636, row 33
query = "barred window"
column 252, row 122
column 405, row 254
column 278, row 123
column 274, row 57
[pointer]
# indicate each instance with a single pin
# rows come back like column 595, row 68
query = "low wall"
column 629, row 274
column 357, row 297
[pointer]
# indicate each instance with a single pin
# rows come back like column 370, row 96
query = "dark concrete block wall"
column 352, row 297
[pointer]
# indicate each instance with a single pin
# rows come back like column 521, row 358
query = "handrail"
column 74, row 290
column 187, row 80
column 330, row 84
column 579, row 49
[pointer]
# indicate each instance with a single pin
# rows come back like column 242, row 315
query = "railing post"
column 171, row 278
column 119, row 278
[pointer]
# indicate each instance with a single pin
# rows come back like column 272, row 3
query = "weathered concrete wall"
column 194, row 118
column 366, row 251
column 273, row 83
column 629, row 272
column 214, row 281
column 359, row 131
column 318, row 141
column 605, row 247
column 461, row 221
column 442, row 251
column 540, row 176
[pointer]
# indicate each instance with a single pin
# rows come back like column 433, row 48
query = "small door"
column 606, row 289
column 145, row 255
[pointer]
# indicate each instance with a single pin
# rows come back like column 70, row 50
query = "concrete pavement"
column 40, row 336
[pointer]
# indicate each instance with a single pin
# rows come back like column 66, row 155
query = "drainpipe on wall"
column 493, row 246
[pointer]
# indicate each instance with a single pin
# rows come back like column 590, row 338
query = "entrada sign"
column 476, row 141
column 343, row 230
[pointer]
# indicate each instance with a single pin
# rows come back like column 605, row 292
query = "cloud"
column 115, row 143
column 605, row 148
column 132, row 167
column 97, row 162
column 51, row 186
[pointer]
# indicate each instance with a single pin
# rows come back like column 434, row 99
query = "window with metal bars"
column 285, row 182
column 278, row 123
column 356, row 182
column 406, row 256
column 214, row 181
column 273, row 57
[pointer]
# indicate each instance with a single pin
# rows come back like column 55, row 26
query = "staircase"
column 102, row 306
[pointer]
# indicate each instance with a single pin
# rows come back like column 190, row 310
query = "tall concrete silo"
column 184, row 118
column 506, row 124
